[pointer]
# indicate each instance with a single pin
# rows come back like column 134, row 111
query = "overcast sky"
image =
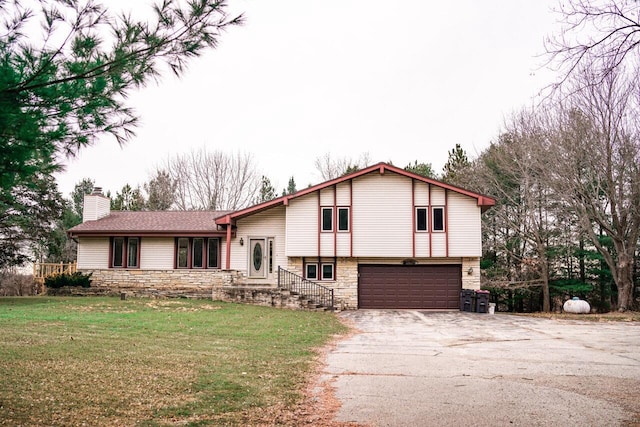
column 401, row 81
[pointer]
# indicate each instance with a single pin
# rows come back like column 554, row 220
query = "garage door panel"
column 397, row 286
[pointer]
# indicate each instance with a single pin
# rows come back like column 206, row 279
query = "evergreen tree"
column 291, row 188
column 423, row 169
column 456, row 167
column 267, row 192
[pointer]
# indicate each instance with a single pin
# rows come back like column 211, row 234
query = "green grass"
column 103, row 361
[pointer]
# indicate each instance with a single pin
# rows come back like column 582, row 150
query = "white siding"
column 382, row 215
column 266, row 224
column 326, row 196
column 422, row 245
column 302, row 226
column 93, row 252
column 94, row 207
column 343, row 194
column 327, row 244
column 421, row 192
column 343, row 244
column 465, row 238
column 437, row 196
column 439, row 244
column 156, row 253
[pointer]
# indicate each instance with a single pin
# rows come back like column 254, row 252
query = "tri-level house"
column 381, row 237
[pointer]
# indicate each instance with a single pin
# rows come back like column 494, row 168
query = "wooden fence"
column 42, row 270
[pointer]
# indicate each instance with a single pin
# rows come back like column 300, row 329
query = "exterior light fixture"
column 470, row 271
column 241, row 241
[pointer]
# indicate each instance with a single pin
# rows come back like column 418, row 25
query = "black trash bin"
column 467, row 302
column 482, row 301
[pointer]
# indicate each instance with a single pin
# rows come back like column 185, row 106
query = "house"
column 381, row 237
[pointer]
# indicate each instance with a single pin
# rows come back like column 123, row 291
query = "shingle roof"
column 157, row 222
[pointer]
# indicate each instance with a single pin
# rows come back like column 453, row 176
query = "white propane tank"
column 576, row 305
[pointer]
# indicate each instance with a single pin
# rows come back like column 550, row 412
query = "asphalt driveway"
column 417, row 368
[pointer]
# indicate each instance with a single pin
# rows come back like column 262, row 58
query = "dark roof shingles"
column 149, row 222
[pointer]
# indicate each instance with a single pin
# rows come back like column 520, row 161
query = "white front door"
column 257, row 258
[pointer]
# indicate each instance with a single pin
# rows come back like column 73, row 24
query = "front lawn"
column 103, row 361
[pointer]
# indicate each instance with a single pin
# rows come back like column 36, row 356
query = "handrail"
column 318, row 294
column 42, row 270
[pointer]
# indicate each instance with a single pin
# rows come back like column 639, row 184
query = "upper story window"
column 125, row 252
column 343, row 219
column 438, row 219
column 327, row 219
column 197, row 252
column 421, row 219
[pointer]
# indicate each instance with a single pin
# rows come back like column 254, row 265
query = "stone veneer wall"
column 219, row 285
column 471, row 281
column 345, row 288
column 163, row 282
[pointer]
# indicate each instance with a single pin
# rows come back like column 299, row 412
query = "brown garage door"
column 409, row 286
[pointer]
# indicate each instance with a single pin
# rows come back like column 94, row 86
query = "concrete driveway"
column 417, row 368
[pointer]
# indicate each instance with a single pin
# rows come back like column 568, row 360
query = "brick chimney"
column 96, row 205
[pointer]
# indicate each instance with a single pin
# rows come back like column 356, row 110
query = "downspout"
column 351, row 218
column 228, row 254
column 335, row 221
column 446, row 221
column 429, row 223
column 413, row 218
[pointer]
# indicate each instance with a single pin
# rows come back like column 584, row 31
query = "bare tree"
column 333, row 167
column 601, row 35
column 213, row 180
column 596, row 168
column 512, row 171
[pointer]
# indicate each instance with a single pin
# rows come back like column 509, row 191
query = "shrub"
column 64, row 279
column 14, row 284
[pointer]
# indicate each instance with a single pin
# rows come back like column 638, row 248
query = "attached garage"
column 409, row 286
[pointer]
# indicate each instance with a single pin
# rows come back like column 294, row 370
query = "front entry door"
column 257, row 258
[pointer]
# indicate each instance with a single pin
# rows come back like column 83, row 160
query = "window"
column 421, row 219
column 182, row 255
column 132, row 252
column 343, row 219
column 198, row 253
column 125, row 252
column 212, row 255
column 438, row 219
column 118, row 251
column 327, row 219
column 312, row 271
column 270, row 255
column 327, row 271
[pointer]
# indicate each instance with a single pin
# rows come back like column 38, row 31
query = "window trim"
column 426, row 219
column 206, row 259
column 208, row 249
column 203, row 255
column 433, row 219
column 323, row 219
column 340, row 210
column 333, row 270
column 124, row 258
column 137, row 257
column 306, row 271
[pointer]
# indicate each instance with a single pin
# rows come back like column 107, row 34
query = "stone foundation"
column 219, row 285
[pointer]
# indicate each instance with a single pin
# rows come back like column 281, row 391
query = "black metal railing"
column 317, row 294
